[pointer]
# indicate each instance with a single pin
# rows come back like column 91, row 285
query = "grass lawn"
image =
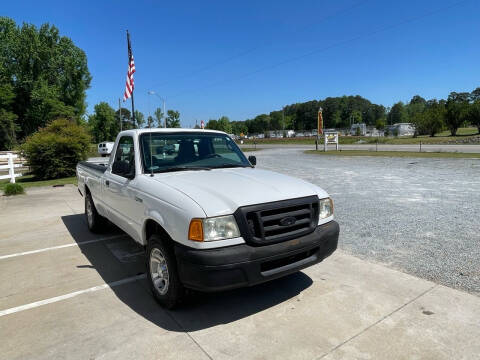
column 395, row 154
column 29, row 181
column 441, row 138
column 249, row 149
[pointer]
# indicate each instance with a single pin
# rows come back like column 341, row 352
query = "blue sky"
column 243, row 58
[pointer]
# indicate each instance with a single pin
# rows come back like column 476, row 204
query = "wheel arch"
column 152, row 226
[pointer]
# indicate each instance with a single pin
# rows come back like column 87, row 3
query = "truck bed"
column 94, row 166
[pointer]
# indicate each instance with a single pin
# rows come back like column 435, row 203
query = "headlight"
column 216, row 228
column 325, row 207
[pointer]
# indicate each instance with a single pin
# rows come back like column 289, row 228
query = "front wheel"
column 162, row 273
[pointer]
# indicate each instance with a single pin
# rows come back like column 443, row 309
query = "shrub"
column 54, row 151
column 14, row 189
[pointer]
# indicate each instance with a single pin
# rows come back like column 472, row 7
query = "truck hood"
column 222, row 191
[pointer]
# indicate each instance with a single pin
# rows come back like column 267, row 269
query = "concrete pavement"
column 343, row 308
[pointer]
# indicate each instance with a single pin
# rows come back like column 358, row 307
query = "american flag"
column 129, row 85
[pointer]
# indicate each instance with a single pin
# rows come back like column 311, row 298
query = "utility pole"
column 164, row 114
column 120, row 114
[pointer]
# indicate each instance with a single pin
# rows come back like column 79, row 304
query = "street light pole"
column 151, row 92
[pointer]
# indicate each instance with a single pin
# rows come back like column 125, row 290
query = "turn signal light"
column 195, row 231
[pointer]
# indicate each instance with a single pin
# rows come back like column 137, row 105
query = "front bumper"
column 244, row 265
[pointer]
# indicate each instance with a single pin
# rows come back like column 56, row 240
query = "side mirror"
column 123, row 168
column 253, row 160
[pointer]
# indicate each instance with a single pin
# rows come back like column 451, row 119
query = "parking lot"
column 67, row 293
column 412, row 214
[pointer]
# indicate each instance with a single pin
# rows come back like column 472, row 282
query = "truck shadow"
column 120, row 257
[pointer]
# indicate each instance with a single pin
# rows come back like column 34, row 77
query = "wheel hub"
column 159, row 271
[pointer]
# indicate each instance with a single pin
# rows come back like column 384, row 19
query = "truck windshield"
column 163, row 152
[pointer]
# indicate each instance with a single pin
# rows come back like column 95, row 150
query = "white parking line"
column 2, row 257
column 71, row 295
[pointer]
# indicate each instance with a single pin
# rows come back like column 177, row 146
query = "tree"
column 457, row 107
column 475, row 95
column 150, row 121
column 432, row 119
column 103, row 125
column 173, row 119
column 415, row 110
column 48, row 74
column 159, row 116
column 473, row 114
column 7, row 117
column 380, row 124
column 276, row 120
column 239, row 127
column 7, row 130
column 45, row 106
column 212, row 124
column 397, row 114
column 139, row 119
column 126, row 118
column 356, row 117
column 223, row 124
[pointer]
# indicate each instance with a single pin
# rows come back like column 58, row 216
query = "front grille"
column 278, row 221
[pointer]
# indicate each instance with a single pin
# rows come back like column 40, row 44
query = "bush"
column 54, row 151
column 13, row 189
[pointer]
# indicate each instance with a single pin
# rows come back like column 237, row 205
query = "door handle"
column 107, row 182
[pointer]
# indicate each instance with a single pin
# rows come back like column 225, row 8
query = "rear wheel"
column 95, row 221
column 162, row 273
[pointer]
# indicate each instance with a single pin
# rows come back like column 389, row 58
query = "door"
column 119, row 184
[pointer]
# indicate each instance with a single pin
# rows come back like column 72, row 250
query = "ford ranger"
column 208, row 219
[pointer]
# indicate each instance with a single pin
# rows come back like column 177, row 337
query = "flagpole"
column 129, row 47
column 133, row 113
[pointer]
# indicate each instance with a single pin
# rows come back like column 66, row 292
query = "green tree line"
column 105, row 123
column 43, row 76
column 429, row 116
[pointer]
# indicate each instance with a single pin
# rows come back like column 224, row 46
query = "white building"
column 400, row 129
column 358, row 129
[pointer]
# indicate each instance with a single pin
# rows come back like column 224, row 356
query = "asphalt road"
column 66, row 293
column 414, row 214
column 381, row 147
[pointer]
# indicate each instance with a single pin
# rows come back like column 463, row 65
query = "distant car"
column 105, row 148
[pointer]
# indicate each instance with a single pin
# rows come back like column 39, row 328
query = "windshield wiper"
column 223, row 166
column 182, row 168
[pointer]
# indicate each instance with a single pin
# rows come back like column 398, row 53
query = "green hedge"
column 54, row 151
column 13, row 189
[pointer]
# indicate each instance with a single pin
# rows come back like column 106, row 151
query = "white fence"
column 11, row 165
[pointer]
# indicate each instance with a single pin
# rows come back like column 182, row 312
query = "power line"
column 320, row 50
column 265, row 44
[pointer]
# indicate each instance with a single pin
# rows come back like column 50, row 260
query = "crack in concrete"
column 376, row 322
column 188, row 334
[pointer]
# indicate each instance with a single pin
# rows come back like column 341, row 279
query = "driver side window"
column 124, row 161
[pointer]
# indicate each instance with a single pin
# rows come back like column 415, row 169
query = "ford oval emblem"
column 287, row 221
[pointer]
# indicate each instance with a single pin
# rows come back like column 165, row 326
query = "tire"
column 162, row 273
column 96, row 223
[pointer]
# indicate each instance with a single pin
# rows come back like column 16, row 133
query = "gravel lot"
column 416, row 215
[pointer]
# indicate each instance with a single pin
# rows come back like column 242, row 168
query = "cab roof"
column 169, row 130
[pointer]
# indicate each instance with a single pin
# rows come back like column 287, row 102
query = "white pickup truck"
column 208, row 219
